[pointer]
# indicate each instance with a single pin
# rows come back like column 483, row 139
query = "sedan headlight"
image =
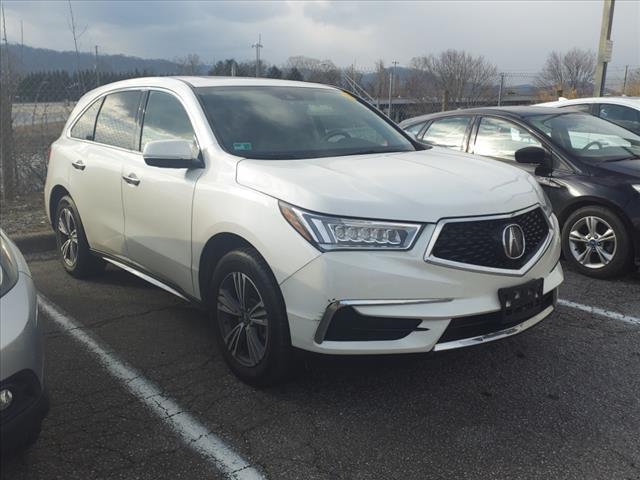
column 339, row 233
column 8, row 267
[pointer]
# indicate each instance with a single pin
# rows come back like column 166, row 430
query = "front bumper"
column 402, row 286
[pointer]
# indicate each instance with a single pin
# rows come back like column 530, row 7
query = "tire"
column 269, row 361
column 73, row 248
column 600, row 245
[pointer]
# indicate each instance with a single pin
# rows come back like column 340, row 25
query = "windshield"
column 588, row 137
column 296, row 122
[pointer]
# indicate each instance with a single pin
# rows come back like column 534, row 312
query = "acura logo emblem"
column 513, row 241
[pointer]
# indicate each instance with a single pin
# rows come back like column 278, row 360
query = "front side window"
column 620, row 115
column 447, row 132
column 85, row 125
column 116, row 123
column 588, row 137
column 165, row 119
column 296, row 122
column 502, row 139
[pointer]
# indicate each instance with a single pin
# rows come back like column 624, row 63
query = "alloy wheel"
column 243, row 319
column 593, row 242
column 68, row 232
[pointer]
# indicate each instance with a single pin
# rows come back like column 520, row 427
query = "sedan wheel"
column 596, row 242
column 593, row 242
column 243, row 319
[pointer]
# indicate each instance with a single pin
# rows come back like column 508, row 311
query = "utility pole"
column 624, row 84
column 97, row 69
column 258, row 46
column 391, row 75
column 604, row 48
column 500, row 90
column 233, row 68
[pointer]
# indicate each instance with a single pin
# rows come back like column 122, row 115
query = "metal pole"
column 258, row 46
column 604, row 48
column 500, row 90
column 624, row 84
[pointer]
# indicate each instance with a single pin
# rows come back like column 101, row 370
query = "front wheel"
column 250, row 319
column 595, row 241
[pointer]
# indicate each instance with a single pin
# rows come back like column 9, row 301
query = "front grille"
column 477, row 325
column 479, row 242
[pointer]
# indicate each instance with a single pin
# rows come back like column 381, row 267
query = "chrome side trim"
column 146, row 277
column 429, row 258
column 490, row 337
column 334, row 306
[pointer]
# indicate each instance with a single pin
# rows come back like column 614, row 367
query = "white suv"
column 299, row 216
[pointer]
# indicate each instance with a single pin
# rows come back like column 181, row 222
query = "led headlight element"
column 337, row 233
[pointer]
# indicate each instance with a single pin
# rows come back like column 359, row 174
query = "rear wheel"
column 595, row 241
column 73, row 248
column 250, row 319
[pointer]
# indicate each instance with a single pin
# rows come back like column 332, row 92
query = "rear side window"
column 116, row 123
column 165, row 119
column 620, row 115
column 447, row 132
column 86, row 124
column 415, row 129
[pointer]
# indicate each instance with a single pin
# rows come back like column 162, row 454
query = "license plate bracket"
column 522, row 301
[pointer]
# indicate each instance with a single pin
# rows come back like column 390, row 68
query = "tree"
column 571, row 72
column 294, row 74
column 189, row 65
column 274, row 72
column 467, row 78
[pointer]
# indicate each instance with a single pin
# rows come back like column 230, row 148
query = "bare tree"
column 570, row 73
column 467, row 78
column 76, row 35
column 189, row 65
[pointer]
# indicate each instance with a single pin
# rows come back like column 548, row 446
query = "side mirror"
column 172, row 154
column 534, row 155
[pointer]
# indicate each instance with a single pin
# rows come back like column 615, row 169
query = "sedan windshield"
column 589, row 137
column 296, row 122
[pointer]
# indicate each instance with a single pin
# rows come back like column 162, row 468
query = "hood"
column 421, row 186
column 630, row 168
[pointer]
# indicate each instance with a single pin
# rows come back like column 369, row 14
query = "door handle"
column 79, row 165
column 131, row 179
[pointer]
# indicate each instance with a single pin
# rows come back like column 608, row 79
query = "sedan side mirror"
column 536, row 156
column 172, row 154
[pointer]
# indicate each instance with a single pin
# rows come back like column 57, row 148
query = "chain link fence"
column 35, row 107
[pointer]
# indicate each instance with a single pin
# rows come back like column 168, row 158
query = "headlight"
column 337, row 233
column 8, row 267
column 636, row 188
column 543, row 198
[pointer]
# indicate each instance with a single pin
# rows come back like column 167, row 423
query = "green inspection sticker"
column 242, row 146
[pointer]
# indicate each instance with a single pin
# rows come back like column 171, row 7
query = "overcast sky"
column 516, row 35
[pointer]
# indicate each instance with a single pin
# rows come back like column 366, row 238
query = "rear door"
column 158, row 201
column 97, row 162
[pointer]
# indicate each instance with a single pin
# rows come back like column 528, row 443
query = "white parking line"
column 600, row 311
column 193, row 433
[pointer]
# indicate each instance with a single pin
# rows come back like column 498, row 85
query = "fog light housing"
column 6, row 397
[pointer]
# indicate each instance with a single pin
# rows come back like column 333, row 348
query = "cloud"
column 516, row 35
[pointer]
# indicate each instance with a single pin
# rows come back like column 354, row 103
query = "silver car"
column 23, row 401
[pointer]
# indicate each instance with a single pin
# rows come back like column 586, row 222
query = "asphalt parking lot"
column 559, row 401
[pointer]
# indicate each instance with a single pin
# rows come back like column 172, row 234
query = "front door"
column 158, row 201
